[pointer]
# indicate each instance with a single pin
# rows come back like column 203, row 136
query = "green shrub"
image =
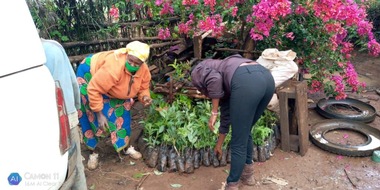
column 373, row 12
column 263, row 127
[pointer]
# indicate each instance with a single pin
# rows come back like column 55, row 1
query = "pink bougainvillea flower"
column 374, row 47
column 234, row 11
column 255, row 36
column 167, row 9
column 232, row 3
column 351, row 77
column 183, row 28
column 158, row 2
column 339, row 87
column 114, row 12
column 301, row 10
column 213, row 23
column 265, row 13
column 316, row 86
column 347, row 47
column 289, row 35
column 189, row 2
column 211, row 4
column 345, row 136
column 164, row 33
column 364, row 28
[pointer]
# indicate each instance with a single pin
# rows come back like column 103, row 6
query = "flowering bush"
column 323, row 33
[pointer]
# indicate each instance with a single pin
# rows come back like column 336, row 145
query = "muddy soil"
column 318, row 169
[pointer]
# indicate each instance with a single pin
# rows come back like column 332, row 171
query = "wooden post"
column 300, row 141
column 198, row 41
column 302, row 117
column 284, row 121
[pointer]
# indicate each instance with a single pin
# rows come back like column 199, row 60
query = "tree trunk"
column 248, row 46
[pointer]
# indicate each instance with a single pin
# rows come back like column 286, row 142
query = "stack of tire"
column 356, row 121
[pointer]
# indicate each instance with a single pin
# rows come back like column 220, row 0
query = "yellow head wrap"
column 138, row 49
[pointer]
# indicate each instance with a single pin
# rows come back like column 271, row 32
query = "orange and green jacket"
column 110, row 77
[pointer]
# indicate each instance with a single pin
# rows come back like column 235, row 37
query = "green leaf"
column 65, row 38
column 92, row 187
column 138, row 175
column 156, row 172
column 161, row 129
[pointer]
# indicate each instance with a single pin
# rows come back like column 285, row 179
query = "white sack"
column 282, row 67
column 280, row 64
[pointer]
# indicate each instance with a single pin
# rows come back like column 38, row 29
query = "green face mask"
column 131, row 68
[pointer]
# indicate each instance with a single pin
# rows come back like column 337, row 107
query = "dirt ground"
column 318, row 169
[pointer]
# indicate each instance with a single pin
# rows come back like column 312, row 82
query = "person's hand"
column 211, row 122
column 218, row 147
column 146, row 101
column 102, row 121
column 218, row 151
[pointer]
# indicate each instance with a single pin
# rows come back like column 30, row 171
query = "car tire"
column 364, row 112
column 320, row 129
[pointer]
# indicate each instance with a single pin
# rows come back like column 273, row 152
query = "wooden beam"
column 302, row 117
column 237, row 50
column 97, row 42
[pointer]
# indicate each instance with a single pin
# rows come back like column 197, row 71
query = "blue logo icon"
column 14, row 179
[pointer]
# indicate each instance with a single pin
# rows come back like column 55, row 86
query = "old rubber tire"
column 365, row 112
column 320, row 129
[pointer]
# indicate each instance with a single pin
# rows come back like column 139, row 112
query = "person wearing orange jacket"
column 108, row 82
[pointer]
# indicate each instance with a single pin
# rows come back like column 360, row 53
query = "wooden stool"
column 293, row 116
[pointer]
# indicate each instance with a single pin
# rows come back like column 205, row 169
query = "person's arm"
column 144, row 92
column 225, row 121
column 218, row 147
column 101, row 82
column 210, row 82
column 224, row 126
column 214, row 113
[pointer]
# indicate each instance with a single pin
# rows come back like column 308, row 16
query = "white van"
column 36, row 152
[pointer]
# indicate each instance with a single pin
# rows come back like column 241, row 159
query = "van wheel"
column 319, row 130
column 348, row 108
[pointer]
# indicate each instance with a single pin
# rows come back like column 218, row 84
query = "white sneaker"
column 133, row 153
column 93, row 161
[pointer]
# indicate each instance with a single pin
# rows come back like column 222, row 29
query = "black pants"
column 252, row 88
